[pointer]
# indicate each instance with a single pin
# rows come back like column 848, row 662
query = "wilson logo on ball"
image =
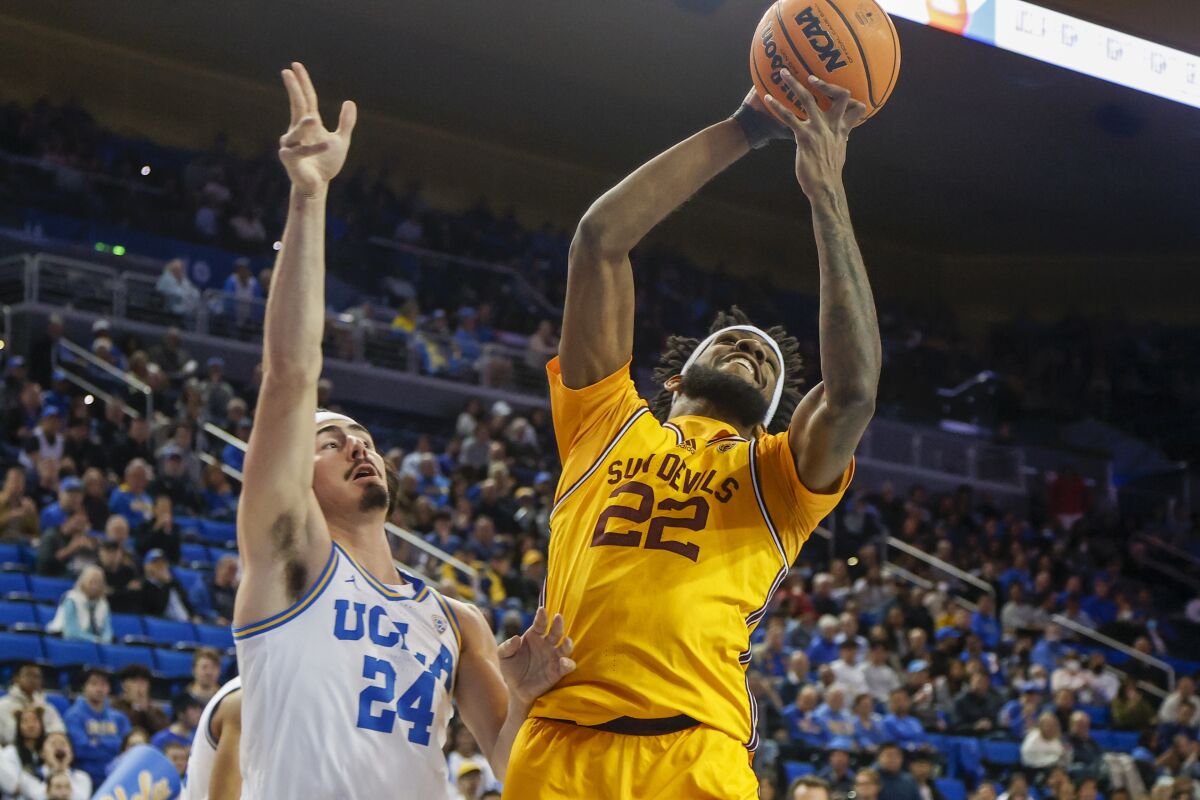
column 822, row 43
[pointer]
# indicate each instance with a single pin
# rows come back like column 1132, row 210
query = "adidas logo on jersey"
column 689, row 445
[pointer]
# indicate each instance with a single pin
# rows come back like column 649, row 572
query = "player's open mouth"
column 364, row 471
column 746, row 363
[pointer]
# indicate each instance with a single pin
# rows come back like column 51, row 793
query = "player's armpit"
column 823, row 439
column 225, row 783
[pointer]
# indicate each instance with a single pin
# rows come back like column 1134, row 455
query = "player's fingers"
column 347, row 120
column 295, row 136
column 306, row 86
column 856, row 112
column 509, row 647
column 566, row 647
column 785, row 114
column 803, row 96
column 565, row 665
column 305, row 150
column 556, row 629
column 539, row 622
column 831, row 90
column 295, row 95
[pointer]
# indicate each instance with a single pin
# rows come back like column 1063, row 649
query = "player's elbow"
column 853, row 405
column 596, row 240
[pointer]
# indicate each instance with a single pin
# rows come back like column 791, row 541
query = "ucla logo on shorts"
column 439, row 624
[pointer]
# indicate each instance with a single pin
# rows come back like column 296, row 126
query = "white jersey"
column 204, row 747
column 347, row 693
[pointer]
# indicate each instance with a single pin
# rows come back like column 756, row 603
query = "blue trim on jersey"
column 420, row 590
column 454, row 625
column 290, row 613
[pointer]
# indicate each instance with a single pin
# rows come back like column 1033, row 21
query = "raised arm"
column 279, row 524
column 831, row 419
column 597, row 332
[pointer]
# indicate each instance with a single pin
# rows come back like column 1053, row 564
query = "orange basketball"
column 852, row 43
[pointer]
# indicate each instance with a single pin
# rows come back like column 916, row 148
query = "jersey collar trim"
column 420, row 590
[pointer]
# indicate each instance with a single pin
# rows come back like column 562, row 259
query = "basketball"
column 851, row 43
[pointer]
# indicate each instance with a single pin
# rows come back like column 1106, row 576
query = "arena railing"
column 1108, row 641
column 938, row 564
column 100, row 364
column 929, row 454
column 402, row 534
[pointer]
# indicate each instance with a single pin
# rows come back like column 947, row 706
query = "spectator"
column 26, row 693
column 543, row 346
column 242, row 291
column 824, row 648
column 160, row 532
column 1086, row 756
column 215, row 391
column 823, row 600
column 175, row 480
column 162, row 596
column 1064, row 707
column 1043, row 747
column 219, row 498
column 135, row 702
column 1068, row 498
column 18, row 514
column 1018, row 614
column 881, row 679
column 1018, row 788
column 983, row 623
column 187, row 710
column 833, row 716
column 921, row 767
column 1019, row 716
column 1184, row 695
column 96, row 729
column 206, row 674
column 868, row 726
column 222, row 588
column 178, row 753
column 95, row 498
column 170, row 354
column 68, row 548
column 894, row 783
column 60, row 778
column 808, row 787
column 464, row 750
column 804, row 728
column 1099, row 605
column 233, row 456
column 1131, row 710
column 770, row 656
column 1103, row 684
column 70, row 500
column 796, row 677
column 83, row 613
column 975, row 710
column 46, row 438
column 1050, row 649
column 27, row 747
column 79, row 447
column 131, row 499
column 476, row 450
column 179, row 294
column 848, row 673
column 132, row 444
column 838, row 773
column 901, row 727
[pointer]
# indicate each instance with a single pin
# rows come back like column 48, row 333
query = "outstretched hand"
column 312, row 155
column 820, row 139
column 537, row 659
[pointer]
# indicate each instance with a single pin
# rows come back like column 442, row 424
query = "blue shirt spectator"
column 868, row 731
column 1049, row 650
column 802, row 723
column 901, row 727
column 132, row 499
column 824, row 646
column 984, row 623
column 70, row 497
column 1098, row 605
column 833, row 716
column 95, row 727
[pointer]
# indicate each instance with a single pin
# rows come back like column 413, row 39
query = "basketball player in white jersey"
column 212, row 770
column 349, row 668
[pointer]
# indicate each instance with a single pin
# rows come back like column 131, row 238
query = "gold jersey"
column 667, row 541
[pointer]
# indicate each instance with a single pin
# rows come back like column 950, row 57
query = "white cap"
column 770, row 343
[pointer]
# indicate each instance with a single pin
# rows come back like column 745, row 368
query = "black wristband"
column 759, row 127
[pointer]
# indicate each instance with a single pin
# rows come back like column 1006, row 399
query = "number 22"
column 602, row 537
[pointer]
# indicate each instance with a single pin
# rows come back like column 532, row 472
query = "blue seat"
column 60, row 653
column 14, row 585
column 215, row 554
column 218, row 636
column 797, row 769
column 1003, row 754
column 173, row 665
column 1116, row 741
column 117, row 656
column 188, row 578
column 125, row 625
column 11, row 554
column 189, row 524
column 951, row 788
column 13, row 614
column 48, row 590
column 20, row 647
column 44, row 613
column 218, row 533
column 194, row 554
column 59, row 700
column 1097, row 714
column 168, row 632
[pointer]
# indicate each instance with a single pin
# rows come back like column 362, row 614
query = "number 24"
column 601, row 536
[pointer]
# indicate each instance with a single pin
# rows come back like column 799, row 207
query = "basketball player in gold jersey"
column 676, row 520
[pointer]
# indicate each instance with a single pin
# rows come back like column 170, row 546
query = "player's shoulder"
column 470, row 619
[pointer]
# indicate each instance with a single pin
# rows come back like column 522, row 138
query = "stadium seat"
column 194, row 554
column 116, row 656
column 48, row 590
column 218, row 533
column 59, row 700
column 188, row 524
column 127, row 627
column 14, row 586
column 1097, row 714
column 797, row 769
column 61, row 653
column 14, row 615
column 951, row 788
column 218, row 636
column 172, row 665
column 44, row 613
column 20, row 647
column 215, row 554
column 1001, row 754
column 168, row 633
column 1116, row 741
column 10, row 554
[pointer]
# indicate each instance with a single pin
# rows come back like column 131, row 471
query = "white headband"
column 766, row 338
column 333, row 416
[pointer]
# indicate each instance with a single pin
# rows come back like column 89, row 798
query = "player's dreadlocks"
column 679, row 349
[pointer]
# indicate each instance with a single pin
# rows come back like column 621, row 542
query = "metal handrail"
column 228, row 470
column 391, row 528
column 1108, row 641
column 91, row 388
column 1176, row 552
column 938, row 563
column 125, row 377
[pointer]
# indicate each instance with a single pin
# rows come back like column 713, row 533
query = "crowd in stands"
column 1140, row 377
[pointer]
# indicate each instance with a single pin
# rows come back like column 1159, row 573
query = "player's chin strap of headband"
column 700, row 348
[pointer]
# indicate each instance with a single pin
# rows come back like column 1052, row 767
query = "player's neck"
column 685, row 406
column 367, row 544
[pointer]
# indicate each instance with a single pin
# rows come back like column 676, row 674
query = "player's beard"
column 733, row 399
column 374, row 498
